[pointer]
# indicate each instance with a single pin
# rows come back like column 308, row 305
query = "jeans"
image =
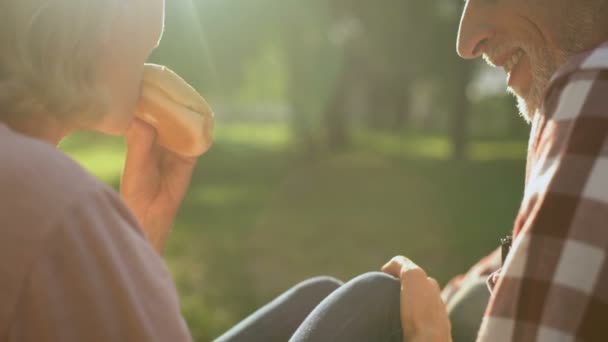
column 364, row 309
column 324, row 309
column 466, row 310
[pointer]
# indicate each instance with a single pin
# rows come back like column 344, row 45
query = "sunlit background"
column 348, row 132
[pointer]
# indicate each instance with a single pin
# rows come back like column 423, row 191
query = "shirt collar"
column 594, row 59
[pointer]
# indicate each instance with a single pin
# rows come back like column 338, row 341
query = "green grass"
column 438, row 147
column 259, row 218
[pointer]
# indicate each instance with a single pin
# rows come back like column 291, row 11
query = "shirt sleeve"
column 554, row 284
column 481, row 270
column 97, row 279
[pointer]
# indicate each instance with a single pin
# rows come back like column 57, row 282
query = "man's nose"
column 475, row 30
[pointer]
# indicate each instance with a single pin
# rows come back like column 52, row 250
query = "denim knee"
column 376, row 281
column 377, row 286
column 364, row 309
column 317, row 287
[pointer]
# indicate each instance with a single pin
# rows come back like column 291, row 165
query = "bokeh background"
column 348, row 131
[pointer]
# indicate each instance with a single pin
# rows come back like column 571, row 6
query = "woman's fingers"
column 141, row 149
column 154, row 181
column 392, row 267
column 423, row 313
column 435, row 284
column 140, row 138
column 140, row 164
column 400, row 265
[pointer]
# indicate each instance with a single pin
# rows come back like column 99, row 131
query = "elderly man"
column 553, row 285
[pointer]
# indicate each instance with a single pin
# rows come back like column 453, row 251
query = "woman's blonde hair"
column 49, row 56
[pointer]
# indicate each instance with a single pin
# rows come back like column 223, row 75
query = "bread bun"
column 181, row 116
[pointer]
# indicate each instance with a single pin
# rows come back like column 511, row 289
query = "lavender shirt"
column 74, row 265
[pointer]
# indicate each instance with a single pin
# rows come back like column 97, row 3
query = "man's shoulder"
column 568, row 155
column 579, row 90
column 592, row 60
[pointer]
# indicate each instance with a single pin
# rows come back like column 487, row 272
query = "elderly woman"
column 79, row 262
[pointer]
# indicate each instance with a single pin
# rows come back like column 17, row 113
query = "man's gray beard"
column 544, row 63
column 541, row 73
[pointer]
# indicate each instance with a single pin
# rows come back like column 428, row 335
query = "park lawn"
column 259, row 217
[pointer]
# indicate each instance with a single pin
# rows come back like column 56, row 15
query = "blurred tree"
column 388, row 46
column 452, row 74
column 311, row 59
column 460, row 107
column 342, row 59
column 373, row 73
column 212, row 42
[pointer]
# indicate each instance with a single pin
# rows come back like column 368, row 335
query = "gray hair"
column 49, row 57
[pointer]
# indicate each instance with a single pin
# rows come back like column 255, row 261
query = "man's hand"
column 424, row 316
column 154, row 182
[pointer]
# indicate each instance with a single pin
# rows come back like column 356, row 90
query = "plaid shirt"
column 553, row 286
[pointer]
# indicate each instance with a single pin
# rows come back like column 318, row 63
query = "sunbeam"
column 194, row 17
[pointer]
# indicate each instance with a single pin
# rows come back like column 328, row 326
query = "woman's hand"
column 154, row 182
column 424, row 316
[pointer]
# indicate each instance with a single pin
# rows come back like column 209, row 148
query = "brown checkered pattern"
column 554, row 284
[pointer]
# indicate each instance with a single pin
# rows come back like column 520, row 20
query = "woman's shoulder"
column 39, row 182
column 31, row 167
column 61, row 224
column 45, row 195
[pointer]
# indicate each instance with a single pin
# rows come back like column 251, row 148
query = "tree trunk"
column 336, row 114
column 336, row 120
column 401, row 101
column 459, row 130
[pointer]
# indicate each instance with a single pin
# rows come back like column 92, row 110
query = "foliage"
column 327, row 61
